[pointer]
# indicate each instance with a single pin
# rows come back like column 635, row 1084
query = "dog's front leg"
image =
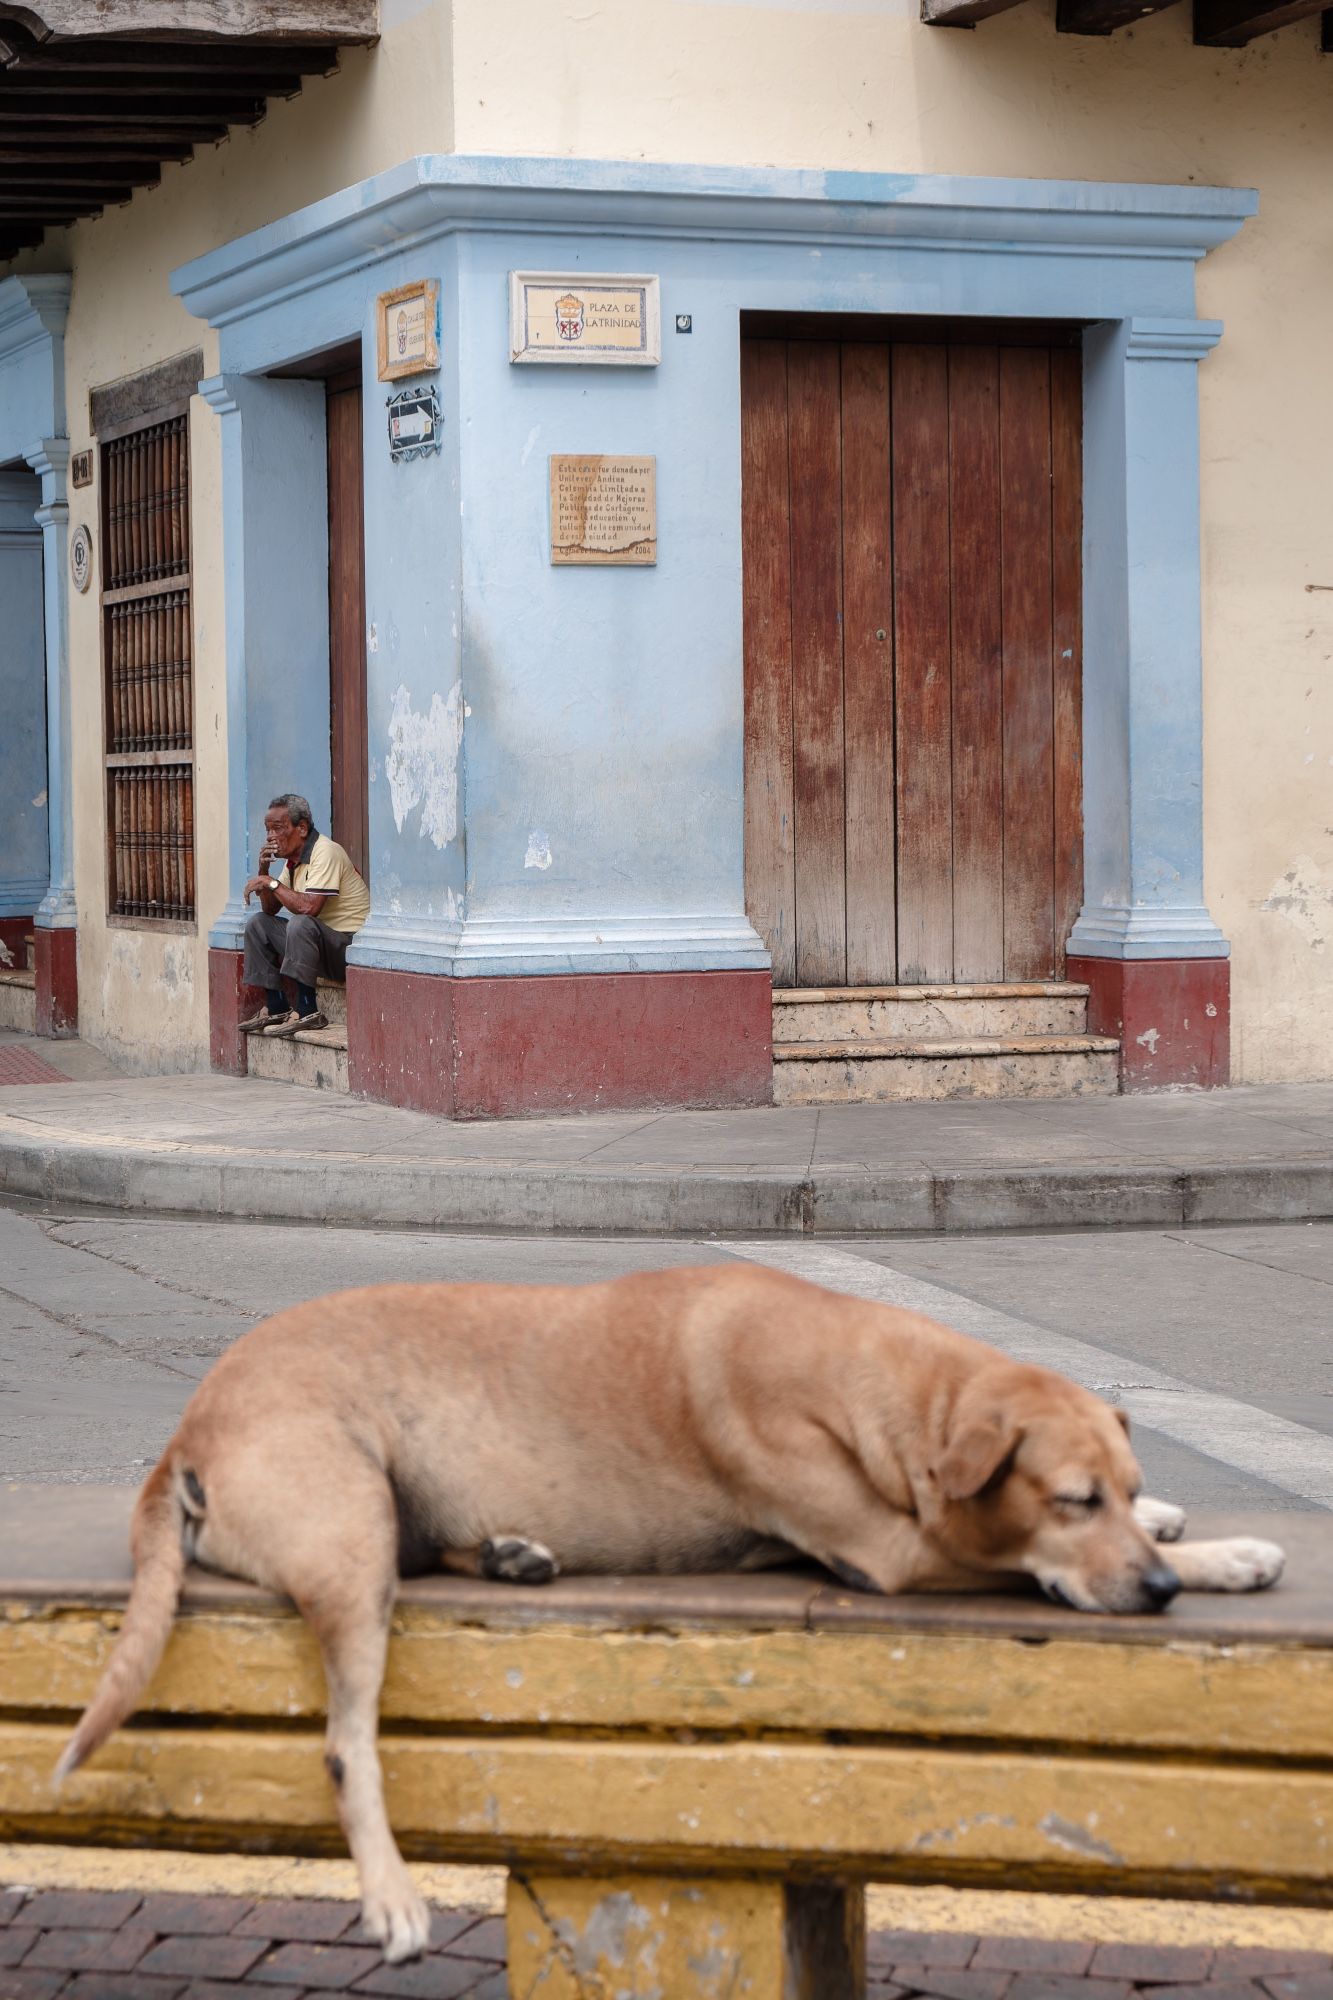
column 1158, row 1518
column 1241, row 1562
column 351, row 1622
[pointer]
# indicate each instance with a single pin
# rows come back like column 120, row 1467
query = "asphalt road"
column 1216, row 1340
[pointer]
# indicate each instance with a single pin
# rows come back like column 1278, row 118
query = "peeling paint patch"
column 1304, row 896
column 6, row 955
column 421, row 763
column 539, row 850
column 1149, row 1039
column 40, row 799
column 1076, row 1839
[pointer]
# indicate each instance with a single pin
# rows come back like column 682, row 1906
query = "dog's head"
column 1036, row 1474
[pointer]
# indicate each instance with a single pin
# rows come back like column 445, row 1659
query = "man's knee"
column 303, row 931
column 256, row 926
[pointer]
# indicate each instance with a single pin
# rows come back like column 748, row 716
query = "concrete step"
column 332, row 1002
column 316, row 1058
column 889, row 1013
column 857, row 1071
column 18, row 999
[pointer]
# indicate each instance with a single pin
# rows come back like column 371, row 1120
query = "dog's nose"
column 1161, row 1584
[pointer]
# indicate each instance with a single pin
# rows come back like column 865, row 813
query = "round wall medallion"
column 81, row 558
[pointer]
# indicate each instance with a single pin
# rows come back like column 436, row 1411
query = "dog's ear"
column 975, row 1453
column 1122, row 1418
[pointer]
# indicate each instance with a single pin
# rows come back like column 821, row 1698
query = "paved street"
column 1216, row 1340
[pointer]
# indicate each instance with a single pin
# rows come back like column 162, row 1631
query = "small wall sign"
column 407, row 330
column 81, row 469
column 81, row 558
column 415, row 423
column 583, row 316
column 603, row 510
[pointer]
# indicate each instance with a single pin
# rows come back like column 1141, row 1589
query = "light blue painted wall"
column 24, row 854
column 603, row 707
column 33, row 311
column 275, row 543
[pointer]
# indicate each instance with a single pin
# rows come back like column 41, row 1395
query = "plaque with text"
column 603, row 509
column 584, row 316
column 407, row 330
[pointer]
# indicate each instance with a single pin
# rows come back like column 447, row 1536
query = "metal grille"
column 152, row 818
column 147, row 504
column 149, row 683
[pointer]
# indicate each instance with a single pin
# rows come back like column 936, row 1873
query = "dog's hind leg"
column 348, row 1604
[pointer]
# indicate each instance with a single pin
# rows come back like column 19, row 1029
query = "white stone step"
column 317, row 1057
column 885, row 1013
column 18, row 999
column 859, row 1071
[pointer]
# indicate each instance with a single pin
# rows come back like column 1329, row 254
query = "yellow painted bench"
column 691, row 1780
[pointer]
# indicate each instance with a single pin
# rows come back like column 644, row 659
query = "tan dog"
column 690, row 1420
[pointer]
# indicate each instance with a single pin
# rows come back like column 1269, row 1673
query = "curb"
column 402, row 1192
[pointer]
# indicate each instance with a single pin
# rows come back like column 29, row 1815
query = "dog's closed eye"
column 1086, row 1503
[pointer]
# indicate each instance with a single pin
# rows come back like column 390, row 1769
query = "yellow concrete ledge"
column 1189, row 1694
column 1022, row 1818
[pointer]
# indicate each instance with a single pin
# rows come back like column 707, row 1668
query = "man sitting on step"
column 307, row 917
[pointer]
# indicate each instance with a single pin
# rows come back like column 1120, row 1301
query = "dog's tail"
column 159, row 1568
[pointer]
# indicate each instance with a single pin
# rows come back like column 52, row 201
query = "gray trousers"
column 302, row 948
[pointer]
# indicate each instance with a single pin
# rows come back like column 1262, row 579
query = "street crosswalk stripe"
column 1287, row 1455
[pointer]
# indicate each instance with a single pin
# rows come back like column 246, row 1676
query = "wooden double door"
column 912, row 573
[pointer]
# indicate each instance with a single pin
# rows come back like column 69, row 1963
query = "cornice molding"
column 440, row 194
column 32, row 308
column 219, row 392
column 1171, row 339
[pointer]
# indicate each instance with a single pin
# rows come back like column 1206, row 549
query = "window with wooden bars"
column 148, row 669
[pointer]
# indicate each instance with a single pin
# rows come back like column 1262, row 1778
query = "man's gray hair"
column 295, row 807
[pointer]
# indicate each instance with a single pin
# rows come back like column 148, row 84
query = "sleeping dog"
column 724, row 1418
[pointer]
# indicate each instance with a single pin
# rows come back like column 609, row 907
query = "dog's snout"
column 1161, row 1584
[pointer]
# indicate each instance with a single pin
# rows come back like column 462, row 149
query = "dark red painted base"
column 1172, row 1017
column 55, row 956
column 229, row 1000
column 523, row 1047
column 14, row 935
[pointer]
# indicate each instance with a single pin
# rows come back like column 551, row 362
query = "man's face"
column 284, row 838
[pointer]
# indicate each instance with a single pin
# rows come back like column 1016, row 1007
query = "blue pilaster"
column 1142, row 694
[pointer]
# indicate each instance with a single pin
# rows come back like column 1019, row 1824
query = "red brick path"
column 59, row 1944
column 22, row 1066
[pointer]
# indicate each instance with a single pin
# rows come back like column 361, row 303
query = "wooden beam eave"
column 962, row 13
column 342, row 21
column 1231, row 24
column 1104, row 17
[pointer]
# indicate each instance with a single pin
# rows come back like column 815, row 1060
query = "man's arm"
column 274, row 897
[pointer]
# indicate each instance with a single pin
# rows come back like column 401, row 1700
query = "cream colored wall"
column 856, row 85
column 864, row 85
column 143, row 995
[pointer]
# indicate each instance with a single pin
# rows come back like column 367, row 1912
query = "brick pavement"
column 75, row 1944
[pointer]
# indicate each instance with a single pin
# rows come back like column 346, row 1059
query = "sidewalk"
column 97, row 1924
column 224, row 1146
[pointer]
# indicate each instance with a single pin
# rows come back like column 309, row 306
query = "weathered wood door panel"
column 348, row 746
column 912, row 527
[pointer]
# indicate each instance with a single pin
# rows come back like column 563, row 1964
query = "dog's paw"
column 1242, row 1563
column 515, row 1559
column 1164, row 1522
column 397, row 1919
